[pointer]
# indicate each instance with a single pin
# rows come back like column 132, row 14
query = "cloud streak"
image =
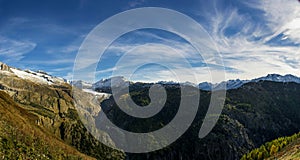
column 282, row 17
column 255, row 38
column 13, row 50
column 244, row 38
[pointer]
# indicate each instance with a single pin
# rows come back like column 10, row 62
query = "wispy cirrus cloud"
column 51, row 62
column 256, row 38
column 14, row 50
column 66, row 49
column 163, row 53
column 281, row 17
column 135, row 3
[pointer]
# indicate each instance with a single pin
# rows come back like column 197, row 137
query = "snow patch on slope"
column 98, row 94
column 37, row 77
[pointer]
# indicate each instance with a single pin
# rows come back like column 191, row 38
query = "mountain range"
column 103, row 84
column 233, row 84
column 39, row 119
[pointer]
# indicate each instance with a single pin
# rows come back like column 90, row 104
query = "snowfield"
column 106, row 95
column 37, row 77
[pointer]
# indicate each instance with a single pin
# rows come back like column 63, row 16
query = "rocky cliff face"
column 53, row 105
column 20, row 138
column 4, row 67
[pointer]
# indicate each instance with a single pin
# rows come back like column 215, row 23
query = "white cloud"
column 165, row 60
column 241, row 39
column 135, row 3
column 68, row 49
column 51, row 62
column 106, row 70
column 14, row 50
column 247, row 50
column 69, row 76
column 282, row 16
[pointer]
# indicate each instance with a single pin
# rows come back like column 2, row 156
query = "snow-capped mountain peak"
column 233, row 84
column 278, row 78
column 34, row 76
column 117, row 81
column 81, row 84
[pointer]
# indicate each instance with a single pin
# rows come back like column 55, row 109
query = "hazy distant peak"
column 233, row 84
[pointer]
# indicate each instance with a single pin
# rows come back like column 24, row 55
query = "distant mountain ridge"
column 81, row 84
column 120, row 81
column 234, row 84
column 117, row 81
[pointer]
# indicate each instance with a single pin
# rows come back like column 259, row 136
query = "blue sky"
column 255, row 38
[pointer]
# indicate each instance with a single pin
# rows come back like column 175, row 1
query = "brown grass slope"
column 290, row 152
column 21, row 138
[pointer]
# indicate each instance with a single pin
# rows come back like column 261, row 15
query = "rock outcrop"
column 55, row 111
column 4, row 67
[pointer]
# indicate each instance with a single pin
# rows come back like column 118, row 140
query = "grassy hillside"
column 280, row 148
column 290, row 152
column 20, row 138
